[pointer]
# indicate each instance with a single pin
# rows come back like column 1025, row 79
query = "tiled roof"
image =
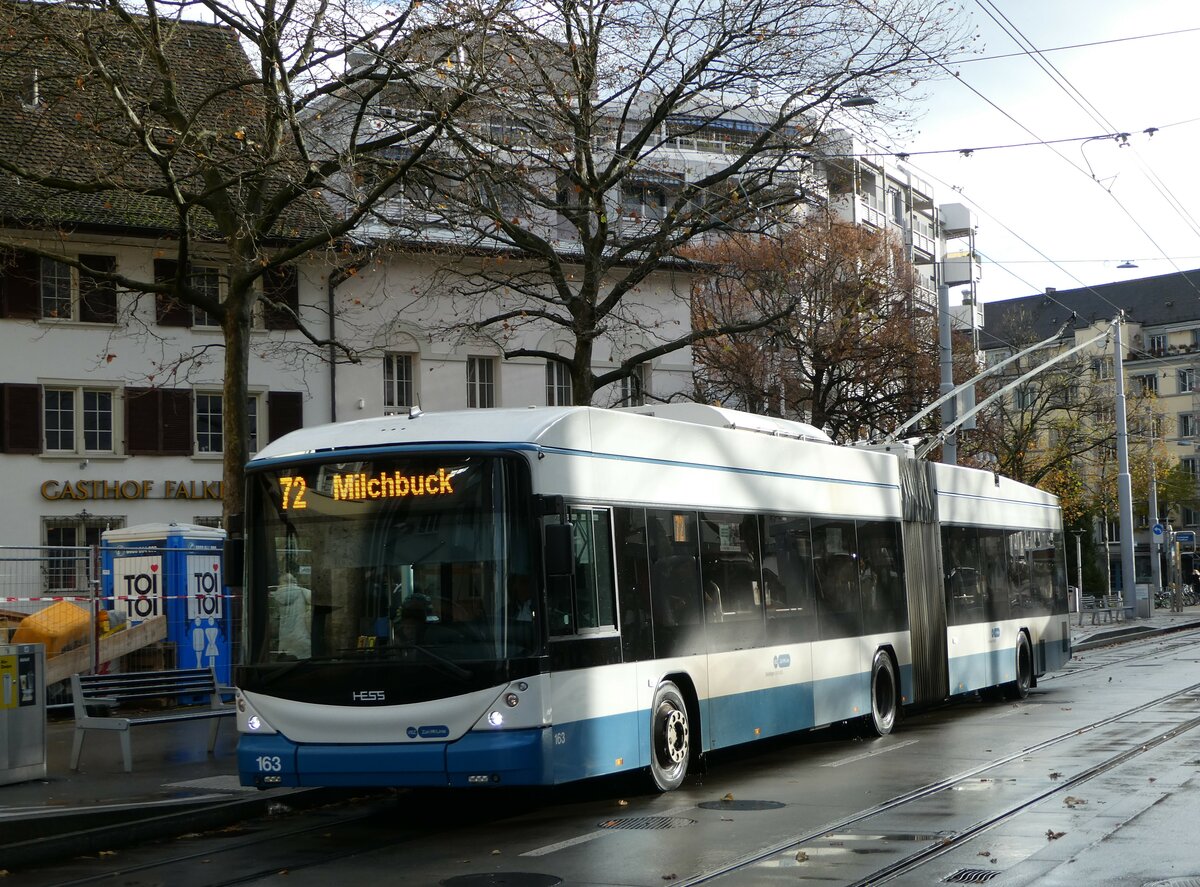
column 76, row 132
column 1161, row 300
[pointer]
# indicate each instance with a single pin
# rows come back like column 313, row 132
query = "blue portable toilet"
column 173, row 570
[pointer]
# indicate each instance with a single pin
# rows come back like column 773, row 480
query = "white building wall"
column 384, row 308
column 97, row 490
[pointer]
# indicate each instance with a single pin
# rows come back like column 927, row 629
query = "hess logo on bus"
column 367, row 695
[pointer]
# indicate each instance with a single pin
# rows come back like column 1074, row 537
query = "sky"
column 1068, row 215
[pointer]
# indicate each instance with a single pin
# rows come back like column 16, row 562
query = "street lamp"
column 1124, row 487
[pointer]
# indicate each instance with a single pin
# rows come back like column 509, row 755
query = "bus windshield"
column 420, row 558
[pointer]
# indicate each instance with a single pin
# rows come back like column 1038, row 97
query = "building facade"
column 1160, row 361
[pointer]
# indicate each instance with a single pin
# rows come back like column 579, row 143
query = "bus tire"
column 1019, row 689
column 885, row 698
column 670, row 738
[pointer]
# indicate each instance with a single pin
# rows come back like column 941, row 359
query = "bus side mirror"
column 560, row 550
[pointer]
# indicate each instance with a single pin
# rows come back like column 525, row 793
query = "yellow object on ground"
column 61, row 626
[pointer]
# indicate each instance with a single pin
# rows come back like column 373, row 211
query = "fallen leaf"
column 1055, row 774
column 801, row 856
column 1073, row 802
column 1052, row 835
column 670, row 877
column 728, row 797
column 108, row 852
column 495, row 853
column 622, row 803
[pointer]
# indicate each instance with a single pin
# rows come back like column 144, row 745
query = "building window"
column 72, row 550
column 208, row 520
column 481, row 382
column 210, row 429
column 640, row 200
column 398, row 378
column 558, row 384
column 205, row 281
column 633, row 388
column 56, row 289
column 77, row 420
column 1191, row 517
column 1149, row 383
column 1157, row 344
column 38, row 288
column 1103, row 368
column 1191, row 465
column 1187, row 380
column 1188, row 424
column 1026, row 397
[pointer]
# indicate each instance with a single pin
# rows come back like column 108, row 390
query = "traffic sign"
column 1186, row 536
column 1158, row 529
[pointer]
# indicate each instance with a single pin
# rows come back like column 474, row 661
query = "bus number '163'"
column 269, row 763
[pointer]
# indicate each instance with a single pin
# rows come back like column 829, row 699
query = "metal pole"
column 1124, row 487
column 1155, row 563
column 1079, row 575
column 946, row 349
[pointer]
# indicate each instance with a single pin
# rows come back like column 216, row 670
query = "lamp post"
column 1156, row 529
column 1124, row 487
column 1079, row 574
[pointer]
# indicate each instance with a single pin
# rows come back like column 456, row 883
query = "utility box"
column 173, row 570
column 22, row 712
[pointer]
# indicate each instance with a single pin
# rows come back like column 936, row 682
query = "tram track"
column 945, row 841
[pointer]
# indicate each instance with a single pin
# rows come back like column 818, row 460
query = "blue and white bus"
column 536, row 596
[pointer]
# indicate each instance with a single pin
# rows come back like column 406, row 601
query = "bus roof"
column 539, row 425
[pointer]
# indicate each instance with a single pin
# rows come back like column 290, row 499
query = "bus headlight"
column 496, row 719
column 254, row 723
column 511, row 700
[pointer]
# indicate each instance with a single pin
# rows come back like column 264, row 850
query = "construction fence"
column 118, row 609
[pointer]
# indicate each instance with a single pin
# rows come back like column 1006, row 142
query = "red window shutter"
column 20, row 286
column 20, row 418
column 158, row 422
column 97, row 298
column 177, row 422
column 170, row 311
column 281, row 286
column 285, row 412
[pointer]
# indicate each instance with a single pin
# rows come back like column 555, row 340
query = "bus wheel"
column 670, row 738
column 884, row 696
column 1019, row 688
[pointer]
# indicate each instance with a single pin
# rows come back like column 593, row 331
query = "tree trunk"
column 235, row 396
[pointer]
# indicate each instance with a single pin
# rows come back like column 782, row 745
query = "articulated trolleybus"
column 536, row 596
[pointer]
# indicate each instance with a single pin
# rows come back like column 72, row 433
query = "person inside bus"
column 290, row 607
column 410, row 626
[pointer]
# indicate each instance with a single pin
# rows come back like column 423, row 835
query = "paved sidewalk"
column 1086, row 634
column 176, row 786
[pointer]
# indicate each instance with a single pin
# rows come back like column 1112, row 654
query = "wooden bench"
column 1095, row 606
column 96, row 696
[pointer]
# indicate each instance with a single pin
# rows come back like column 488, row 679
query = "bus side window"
column 592, row 602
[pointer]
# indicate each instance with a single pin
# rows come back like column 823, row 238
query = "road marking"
column 562, row 845
column 870, row 754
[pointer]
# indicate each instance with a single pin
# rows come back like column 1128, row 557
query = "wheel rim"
column 673, row 736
